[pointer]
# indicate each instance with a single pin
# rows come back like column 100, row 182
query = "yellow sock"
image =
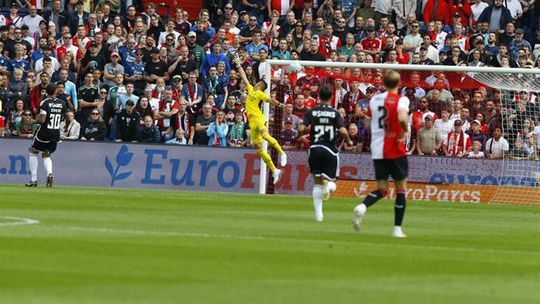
column 273, row 142
column 266, row 159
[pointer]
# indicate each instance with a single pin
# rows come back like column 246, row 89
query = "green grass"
column 138, row 246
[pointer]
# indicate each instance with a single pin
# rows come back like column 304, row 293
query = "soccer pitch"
column 89, row 245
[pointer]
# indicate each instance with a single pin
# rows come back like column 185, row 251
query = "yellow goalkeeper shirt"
column 254, row 98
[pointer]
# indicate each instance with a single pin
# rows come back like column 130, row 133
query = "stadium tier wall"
column 237, row 170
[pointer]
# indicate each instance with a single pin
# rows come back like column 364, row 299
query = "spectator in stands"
column 217, row 131
column 497, row 146
column 428, row 139
column 476, row 150
column 201, row 126
column 94, row 128
column 238, row 132
column 213, row 58
column 192, row 93
column 148, row 132
column 25, row 127
column 179, row 138
column 88, row 96
column 457, row 143
column 127, row 123
column 156, row 68
column 287, row 134
column 70, row 128
column 18, row 88
column 143, row 107
column 444, row 124
column 356, row 138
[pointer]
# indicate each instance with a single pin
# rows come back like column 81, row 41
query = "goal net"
column 487, row 122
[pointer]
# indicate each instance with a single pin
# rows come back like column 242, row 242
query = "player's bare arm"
column 403, row 117
column 241, row 69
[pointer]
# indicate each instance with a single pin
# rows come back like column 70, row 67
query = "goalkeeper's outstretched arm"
column 241, row 71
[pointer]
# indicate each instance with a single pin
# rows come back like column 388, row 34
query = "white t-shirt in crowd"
column 444, row 127
column 496, row 147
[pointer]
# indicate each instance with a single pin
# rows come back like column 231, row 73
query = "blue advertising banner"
column 137, row 166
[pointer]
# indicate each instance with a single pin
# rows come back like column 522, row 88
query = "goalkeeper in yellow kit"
column 258, row 124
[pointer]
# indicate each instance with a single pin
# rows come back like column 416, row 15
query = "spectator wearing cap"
column 475, row 133
column 457, row 143
column 14, row 18
column 213, row 58
column 428, row 139
column 111, row 69
column 519, row 43
column 156, row 68
column 127, row 123
column 25, row 32
column 195, row 48
column 497, row 16
column 287, row 134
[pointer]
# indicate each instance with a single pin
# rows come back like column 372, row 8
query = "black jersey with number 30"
column 325, row 122
column 54, row 110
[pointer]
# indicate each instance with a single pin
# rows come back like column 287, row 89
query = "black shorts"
column 41, row 146
column 323, row 162
column 397, row 168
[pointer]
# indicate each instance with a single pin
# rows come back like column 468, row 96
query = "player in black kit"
column 51, row 112
column 326, row 125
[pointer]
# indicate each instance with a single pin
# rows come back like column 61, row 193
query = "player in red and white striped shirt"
column 388, row 113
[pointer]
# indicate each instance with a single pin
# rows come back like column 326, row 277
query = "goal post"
column 513, row 92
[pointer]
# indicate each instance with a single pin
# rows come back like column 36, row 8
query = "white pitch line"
column 271, row 238
column 18, row 221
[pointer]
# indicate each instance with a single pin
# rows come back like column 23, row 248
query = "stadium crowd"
column 129, row 74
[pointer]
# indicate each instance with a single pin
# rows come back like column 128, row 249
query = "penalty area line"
column 17, row 221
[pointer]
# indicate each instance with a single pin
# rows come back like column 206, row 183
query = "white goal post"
column 509, row 81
